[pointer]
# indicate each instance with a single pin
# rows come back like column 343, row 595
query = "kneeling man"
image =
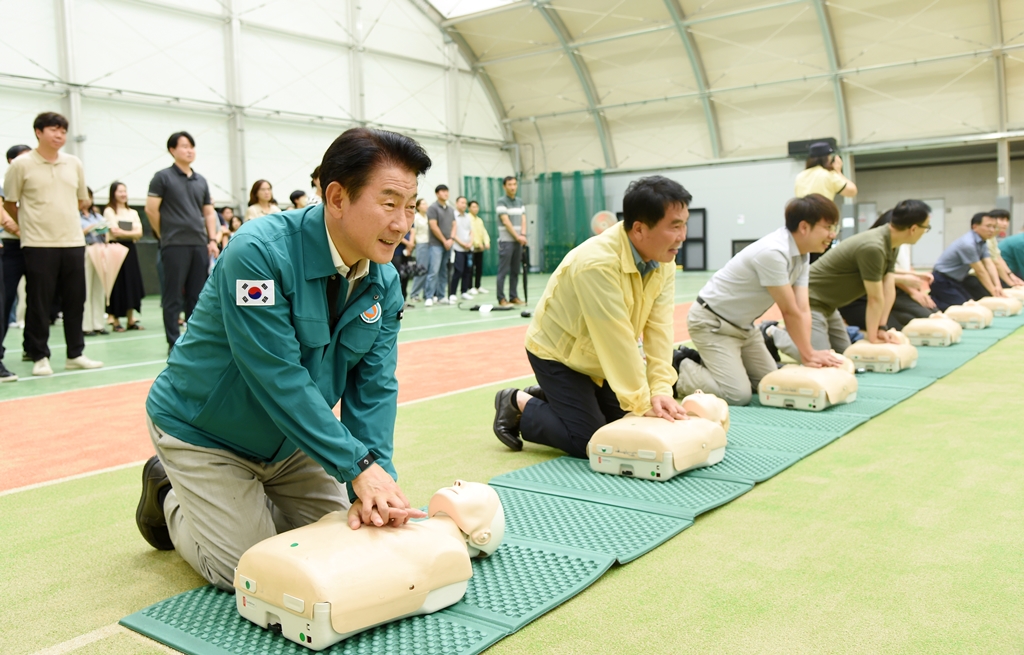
column 302, row 309
column 600, row 343
column 731, row 355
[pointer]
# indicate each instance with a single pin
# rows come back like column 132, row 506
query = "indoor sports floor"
column 903, row 536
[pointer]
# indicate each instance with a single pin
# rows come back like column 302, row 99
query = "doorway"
column 926, row 252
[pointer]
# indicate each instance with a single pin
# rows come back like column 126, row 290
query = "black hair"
column 314, row 176
column 358, row 151
column 647, row 199
column 49, row 119
column 16, row 151
column 440, row 187
column 111, row 201
column 295, row 195
column 825, row 161
column 507, row 178
column 999, row 213
column 884, row 219
column 908, row 213
column 172, row 141
column 462, row 198
column 473, row 202
column 979, row 217
column 810, row 209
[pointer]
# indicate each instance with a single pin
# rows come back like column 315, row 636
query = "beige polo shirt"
column 47, row 194
column 818, row 180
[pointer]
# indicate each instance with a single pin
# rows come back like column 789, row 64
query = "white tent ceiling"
column 651, row 83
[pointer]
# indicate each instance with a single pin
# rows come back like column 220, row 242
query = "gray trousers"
column 510, row 260
column 222, row 504
column 826, row 332
column 735, row 360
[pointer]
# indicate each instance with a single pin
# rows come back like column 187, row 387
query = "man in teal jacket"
column 302, row 310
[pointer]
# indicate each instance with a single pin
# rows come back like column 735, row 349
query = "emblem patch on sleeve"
column 371, row 315
column 254, row 292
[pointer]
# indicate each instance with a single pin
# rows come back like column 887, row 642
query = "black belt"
column 703, row 303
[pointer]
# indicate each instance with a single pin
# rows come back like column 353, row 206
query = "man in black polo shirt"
column 183, row 218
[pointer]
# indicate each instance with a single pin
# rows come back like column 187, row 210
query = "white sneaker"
column 428, row 302
column 42, row 367
column 467, row 296
column 442, row 301
column 472, row 291
column 452, row 299
column 481, row 290
column 81, row 363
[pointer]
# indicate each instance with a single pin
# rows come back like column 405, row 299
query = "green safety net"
column 566, row 206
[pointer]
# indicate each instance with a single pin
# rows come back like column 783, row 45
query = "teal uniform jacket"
column 259, row 378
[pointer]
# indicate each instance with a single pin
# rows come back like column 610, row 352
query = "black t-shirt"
column 181, row 208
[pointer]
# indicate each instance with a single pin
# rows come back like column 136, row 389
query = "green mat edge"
column 704, row 472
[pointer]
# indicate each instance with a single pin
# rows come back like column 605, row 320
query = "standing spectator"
column 298, row 199
column 824, row 174
column 13, row 263
column 183, row 218
column 511, row 239
column 422, row 229
column 226, row 215
column 45, row 190
column 225, row 236
column 400, row 260
column 126, row 228
column 441, row 220
column 261, row 201
column 94, row 227
column 314, row 183
column 481, row 242
column 463, row 247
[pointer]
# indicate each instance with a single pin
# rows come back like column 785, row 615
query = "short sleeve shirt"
column 47, row 194
column 738, row 292
column 955, row 261
column 819, row 180
column 181, row 207
column 514, row 209
column 838, row 277
column 422, row 228
column 1012, row 249
column 444, row 216
column 463, row 230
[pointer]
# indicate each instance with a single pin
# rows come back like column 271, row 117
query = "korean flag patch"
column 254, row 293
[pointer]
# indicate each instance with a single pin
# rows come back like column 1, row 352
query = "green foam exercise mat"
column 682, row 496
column 524, row 579
column 864, row 405
column 204, row 621
column 798, row 442
column 909, row 380
column 795, row 419
column 896, row 394
column 741, row 465
column 624, row 534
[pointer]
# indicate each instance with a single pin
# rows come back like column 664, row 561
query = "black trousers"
column 50, row 271
column 478, row 268
column 3, row 323
column 975, row 288
column 904, row 309
column 947, row 291
column 13, row 270
column 575, row 409
column 463, row 271
column 185, row 271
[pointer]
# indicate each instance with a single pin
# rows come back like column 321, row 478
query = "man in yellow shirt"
column 600, row 342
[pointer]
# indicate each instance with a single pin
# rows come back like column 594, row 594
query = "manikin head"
column 655, row 211
column 476, row 510
column 812, row 220
column 708, row 406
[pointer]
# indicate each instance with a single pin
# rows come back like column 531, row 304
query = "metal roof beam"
column 445, row 23
column 1000, row 61
column 828, row 36
column 697, row 65
column 583, row 73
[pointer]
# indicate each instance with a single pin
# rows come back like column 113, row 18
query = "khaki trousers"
column 222, row 504
column 735, row 360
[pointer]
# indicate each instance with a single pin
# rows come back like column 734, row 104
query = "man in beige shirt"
column 44, row 192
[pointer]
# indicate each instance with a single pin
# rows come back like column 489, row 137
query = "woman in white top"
column 824, row 174
column 261, row 200
column 422, row 228
column 125, row 228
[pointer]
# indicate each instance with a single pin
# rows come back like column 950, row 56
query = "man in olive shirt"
column 863, row 264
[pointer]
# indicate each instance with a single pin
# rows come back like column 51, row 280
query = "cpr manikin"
column 324, row 582
column 656, row 449
column 970, row 315
column 1014, row 292
column 936, row 330
column 812, row 389
column 883, row 357
column 1008, row 306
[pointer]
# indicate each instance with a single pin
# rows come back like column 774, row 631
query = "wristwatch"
column 366, row 462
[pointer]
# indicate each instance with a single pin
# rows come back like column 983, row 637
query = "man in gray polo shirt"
column 441, row 221
column 966, row 253
column 183, row 218
column 731, row 356
column 511, row 239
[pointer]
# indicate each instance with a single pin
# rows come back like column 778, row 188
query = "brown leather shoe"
column 504, row 303
column 517, row 301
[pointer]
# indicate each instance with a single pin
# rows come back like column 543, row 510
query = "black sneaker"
column 506, row 419
column 535, row 391
column 5, row 375
column 149, row 516
column 769, row 342
column 681, row 353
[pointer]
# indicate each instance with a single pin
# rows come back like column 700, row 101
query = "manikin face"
column 265, row 192
column 371, row 226
column 184, row 152
column 52, row 137
column 460, row 204
column 661, row 242
column 121, row 194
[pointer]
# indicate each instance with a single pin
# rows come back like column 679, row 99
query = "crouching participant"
column 301, row 310
column 606, row 309
column 731, row 355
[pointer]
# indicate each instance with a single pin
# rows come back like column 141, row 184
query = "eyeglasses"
column 925, row 227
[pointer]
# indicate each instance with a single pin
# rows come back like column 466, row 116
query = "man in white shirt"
column 462, row 235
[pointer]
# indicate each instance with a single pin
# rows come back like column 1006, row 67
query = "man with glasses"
column 969, row 252
column 864, row 264
column 731, row 357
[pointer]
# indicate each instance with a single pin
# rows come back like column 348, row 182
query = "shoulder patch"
column 254, row 292
column 371, row 315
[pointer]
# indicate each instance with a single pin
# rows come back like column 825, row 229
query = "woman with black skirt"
column 126, row 229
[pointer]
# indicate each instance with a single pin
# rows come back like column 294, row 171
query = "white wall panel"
column 285, row 154
column 396, row 26
column 29, row 43
column 129, row 143
column 438, row 173
column 288, row 73
column 476, row 113
column 404, row 93
column 328, row 20
column 485, row 161
column 124, row 45
column 17, row 111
